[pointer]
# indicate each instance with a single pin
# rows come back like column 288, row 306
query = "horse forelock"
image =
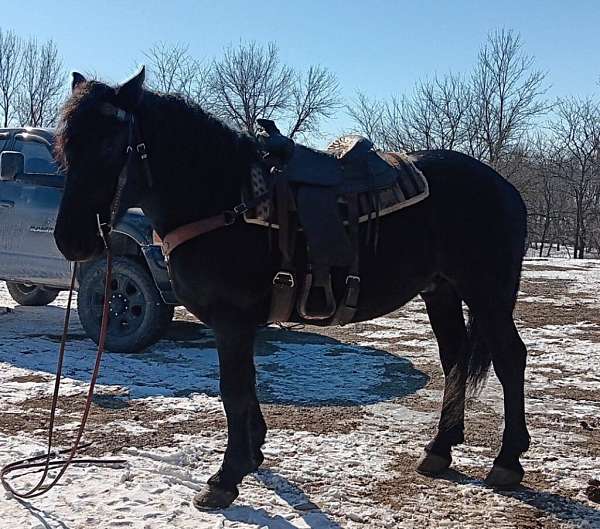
column 75, row 118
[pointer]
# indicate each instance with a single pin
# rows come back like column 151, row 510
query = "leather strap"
column 283, row 297
column 192, row 230
column 349, row 305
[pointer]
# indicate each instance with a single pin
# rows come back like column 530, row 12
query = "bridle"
column 136, row 148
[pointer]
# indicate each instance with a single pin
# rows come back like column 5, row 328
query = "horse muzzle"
column 76, row 247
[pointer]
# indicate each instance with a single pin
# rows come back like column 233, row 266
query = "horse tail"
column 477, row 359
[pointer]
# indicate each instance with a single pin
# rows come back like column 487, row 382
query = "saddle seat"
column 327, row 194
column 351, row 163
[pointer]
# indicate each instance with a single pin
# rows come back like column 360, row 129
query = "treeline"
column 498, row 112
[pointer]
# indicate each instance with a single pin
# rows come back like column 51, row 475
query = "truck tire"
column 138, row 315
column 31, row 295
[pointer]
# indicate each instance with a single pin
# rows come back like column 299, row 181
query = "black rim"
column 127, row 305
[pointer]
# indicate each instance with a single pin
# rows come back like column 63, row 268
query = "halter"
column 136, row 149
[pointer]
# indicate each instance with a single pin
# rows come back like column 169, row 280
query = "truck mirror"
column 12, row 165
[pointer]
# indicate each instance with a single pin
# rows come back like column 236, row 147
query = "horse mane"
column 200, row 131
column 199, row 158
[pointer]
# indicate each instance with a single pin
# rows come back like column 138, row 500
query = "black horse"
column 465, row 242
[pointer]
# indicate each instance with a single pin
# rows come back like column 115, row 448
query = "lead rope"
column 104, row 230
column 45, row 466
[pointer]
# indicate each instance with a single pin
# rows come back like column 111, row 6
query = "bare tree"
column 173, row 70
column 248, row 83
column 10, row 73
column 507, row 96
column 386, row 123
column 398, row 128
column 42, row 85
column 367, row 115
column 433, row 116
column 314, row 95
column 544, row 195
column 575, row 159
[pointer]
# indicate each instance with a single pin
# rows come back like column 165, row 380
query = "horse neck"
column 197, row 165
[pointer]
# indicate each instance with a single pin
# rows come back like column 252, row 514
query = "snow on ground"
column 349, row 412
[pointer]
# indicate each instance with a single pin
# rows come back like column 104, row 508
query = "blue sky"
column 378, row 47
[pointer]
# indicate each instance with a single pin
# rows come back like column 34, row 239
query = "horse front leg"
column 246, row 427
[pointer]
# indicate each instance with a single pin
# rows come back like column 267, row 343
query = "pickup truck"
column 142, row 300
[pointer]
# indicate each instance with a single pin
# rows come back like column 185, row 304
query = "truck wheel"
column 31, row 295
column 138, row 315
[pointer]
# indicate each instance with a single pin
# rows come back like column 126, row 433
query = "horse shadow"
column 294, row 367
column 46, row 519
column 563, row 507
column 310, row 513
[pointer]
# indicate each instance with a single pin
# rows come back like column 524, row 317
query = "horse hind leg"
column 444, row 308
column 509, row 358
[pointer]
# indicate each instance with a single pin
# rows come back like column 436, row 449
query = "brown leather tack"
column 192, row 230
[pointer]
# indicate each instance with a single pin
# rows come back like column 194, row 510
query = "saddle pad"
column 409, row 188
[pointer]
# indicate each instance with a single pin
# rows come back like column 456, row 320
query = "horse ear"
column 130, row 92
column 77, row 80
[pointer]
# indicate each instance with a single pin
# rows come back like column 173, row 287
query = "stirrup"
column 330, row 304
column 283, row 297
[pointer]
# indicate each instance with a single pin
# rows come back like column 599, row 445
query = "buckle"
column 240, row 209
column 141, row 150
column 284, row 279
column 101, row 232
column 231, row 214
column 353, row 279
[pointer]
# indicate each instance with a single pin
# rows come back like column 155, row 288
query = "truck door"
column 28, row 209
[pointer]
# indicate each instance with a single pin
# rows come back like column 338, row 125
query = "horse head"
column 93, row 137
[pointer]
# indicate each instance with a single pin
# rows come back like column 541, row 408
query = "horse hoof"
column 503, row 478
column 432, row 464
column 212, row 498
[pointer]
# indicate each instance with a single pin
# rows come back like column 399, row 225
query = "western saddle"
column 326, row 194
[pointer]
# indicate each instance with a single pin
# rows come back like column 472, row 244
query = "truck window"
column 40, row 167
column 4, row 136
column 38, row 158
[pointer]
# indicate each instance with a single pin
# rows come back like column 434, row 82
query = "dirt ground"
column 363, row 434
